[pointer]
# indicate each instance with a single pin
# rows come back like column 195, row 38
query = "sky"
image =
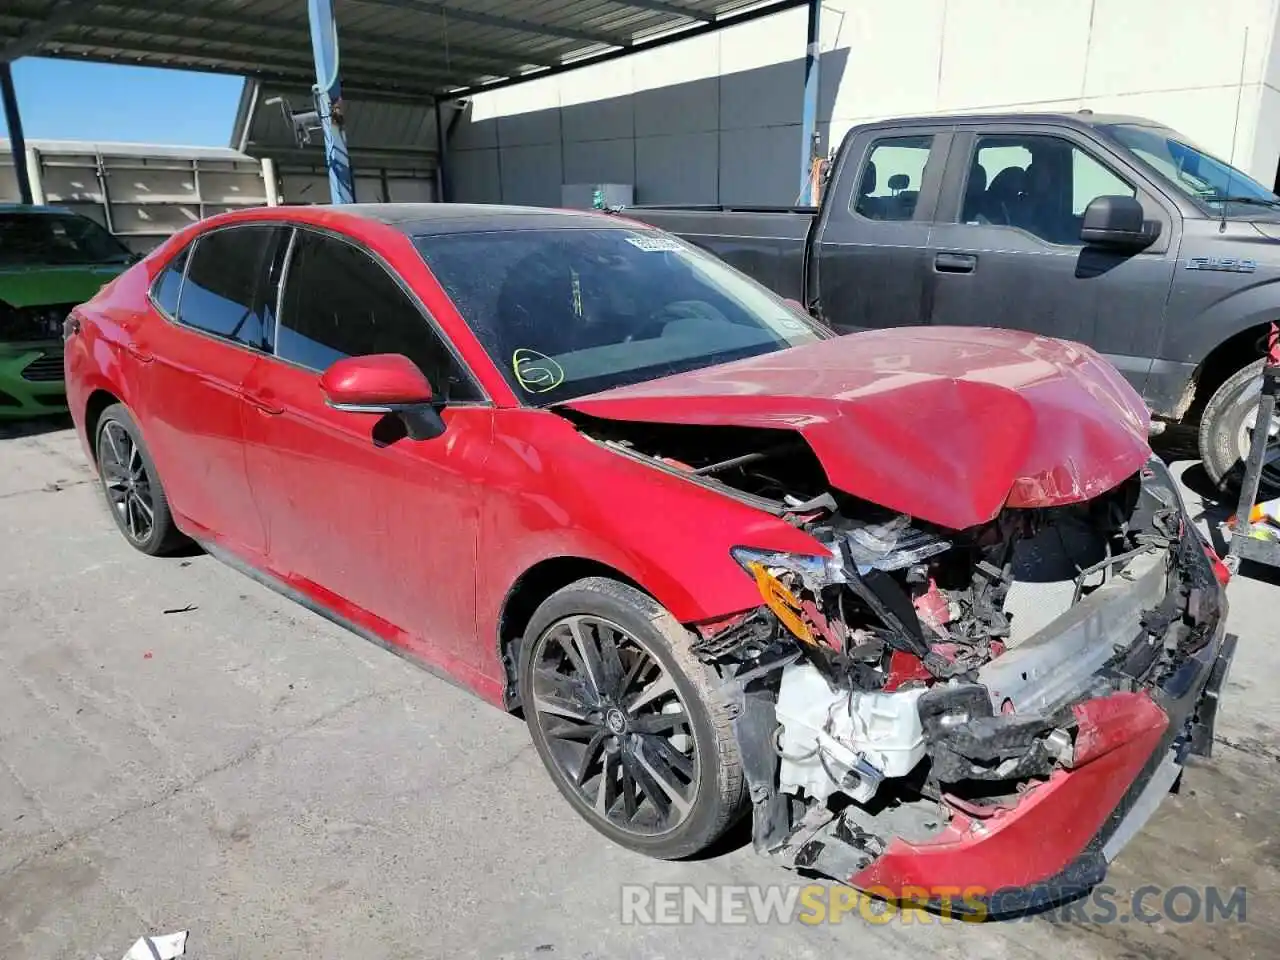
column 72, row 100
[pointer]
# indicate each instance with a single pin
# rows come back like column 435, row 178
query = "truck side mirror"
column 1118, row 222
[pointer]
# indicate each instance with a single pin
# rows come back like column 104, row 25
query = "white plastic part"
column 836, row 742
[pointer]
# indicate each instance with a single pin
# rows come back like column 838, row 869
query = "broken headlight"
column 892, row 545
column 814, row 571
column 779, row 575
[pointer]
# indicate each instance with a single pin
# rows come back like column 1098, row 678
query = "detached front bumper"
column 31, row 379
column 1055, row 843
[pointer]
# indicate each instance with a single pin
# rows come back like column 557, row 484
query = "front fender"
column 1193, row 340
column 554, row 493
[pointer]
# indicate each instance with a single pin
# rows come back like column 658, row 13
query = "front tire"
column 628, row 722
column 132, row 486
column 1226, row 433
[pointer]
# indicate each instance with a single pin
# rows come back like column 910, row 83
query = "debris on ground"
column 158, row 948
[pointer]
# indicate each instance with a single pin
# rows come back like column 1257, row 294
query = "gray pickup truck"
column 1112, row 231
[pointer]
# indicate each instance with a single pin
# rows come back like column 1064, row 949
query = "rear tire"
column 1226, row 432
column 131, row 485
column 622, row 713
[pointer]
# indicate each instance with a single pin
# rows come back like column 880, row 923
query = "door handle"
column 138, row 353
column 955, row 263
column 264, row 406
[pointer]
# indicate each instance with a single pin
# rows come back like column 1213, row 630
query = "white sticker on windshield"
column 791, row 326
column 655, row 244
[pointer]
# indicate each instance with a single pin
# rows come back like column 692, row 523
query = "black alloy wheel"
column 616, row 725
column 132, row 486
column 632, row 727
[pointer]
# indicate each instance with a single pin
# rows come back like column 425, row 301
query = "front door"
column 216, row 306
column 379, row 528
column 1006, row 251
column 871, row 245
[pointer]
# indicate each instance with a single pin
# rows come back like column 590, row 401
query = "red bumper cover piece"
column 1038, row 837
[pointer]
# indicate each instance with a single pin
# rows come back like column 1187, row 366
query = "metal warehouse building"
column 717, row 118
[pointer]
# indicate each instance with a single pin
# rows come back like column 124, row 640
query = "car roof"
column 1072, row 118
column 427, row 219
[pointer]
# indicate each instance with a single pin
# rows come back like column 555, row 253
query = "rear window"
column 229, row 289
column 43, row 239
column 567, row 312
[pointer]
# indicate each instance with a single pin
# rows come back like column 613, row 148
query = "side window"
column 1090, row 180
column 338, row 302
column 891, row 178
column 168, row 285
column 229, row 290
column 1039, row 184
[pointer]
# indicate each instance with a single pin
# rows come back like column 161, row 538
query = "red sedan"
column 919, row 599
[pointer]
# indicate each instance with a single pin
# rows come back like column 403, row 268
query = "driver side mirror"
column 389, row 384
column 1119, row 223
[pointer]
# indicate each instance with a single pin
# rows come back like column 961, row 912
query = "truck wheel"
column 628, row 722
column 1226, row 433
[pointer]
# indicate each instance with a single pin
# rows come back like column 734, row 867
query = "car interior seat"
column 866, row 204
column 975, row 194
column 1004, row 196
column 902, row 204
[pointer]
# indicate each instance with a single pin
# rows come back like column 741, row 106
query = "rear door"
column 1006, row 251
column 869, row 261
column 218, row 302
column 382, row 529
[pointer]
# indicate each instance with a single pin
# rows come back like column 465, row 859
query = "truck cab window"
column 1039, row 184
column 891, row 178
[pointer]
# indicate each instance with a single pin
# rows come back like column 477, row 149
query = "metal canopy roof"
column 390, row 48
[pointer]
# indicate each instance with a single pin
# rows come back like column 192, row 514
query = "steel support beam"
column 328, row 96
column 442, row 152
column 29, row 42
column 809, row 113
column 17, row 142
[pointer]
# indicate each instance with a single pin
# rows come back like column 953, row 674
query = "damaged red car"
column 920, row 602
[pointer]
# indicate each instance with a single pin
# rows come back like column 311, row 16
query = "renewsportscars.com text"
column 674, row 904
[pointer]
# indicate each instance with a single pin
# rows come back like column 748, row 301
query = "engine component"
column 843, row 741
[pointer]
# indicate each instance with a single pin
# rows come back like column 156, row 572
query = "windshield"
column 43, row 239
column 1201, row 177
column 567, row 312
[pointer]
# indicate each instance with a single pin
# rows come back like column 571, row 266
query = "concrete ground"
column 182, row 749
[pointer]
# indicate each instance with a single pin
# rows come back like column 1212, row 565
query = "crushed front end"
column 990, row 710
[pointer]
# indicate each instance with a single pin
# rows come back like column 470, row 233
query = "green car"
column 50, row 260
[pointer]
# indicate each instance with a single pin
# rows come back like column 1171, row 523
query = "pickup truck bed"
column 767, row 243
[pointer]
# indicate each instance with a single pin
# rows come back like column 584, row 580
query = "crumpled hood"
column 948, row 424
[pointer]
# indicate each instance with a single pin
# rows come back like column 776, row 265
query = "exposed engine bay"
column 913, row 674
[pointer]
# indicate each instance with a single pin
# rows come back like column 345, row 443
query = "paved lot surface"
column 284, row 789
